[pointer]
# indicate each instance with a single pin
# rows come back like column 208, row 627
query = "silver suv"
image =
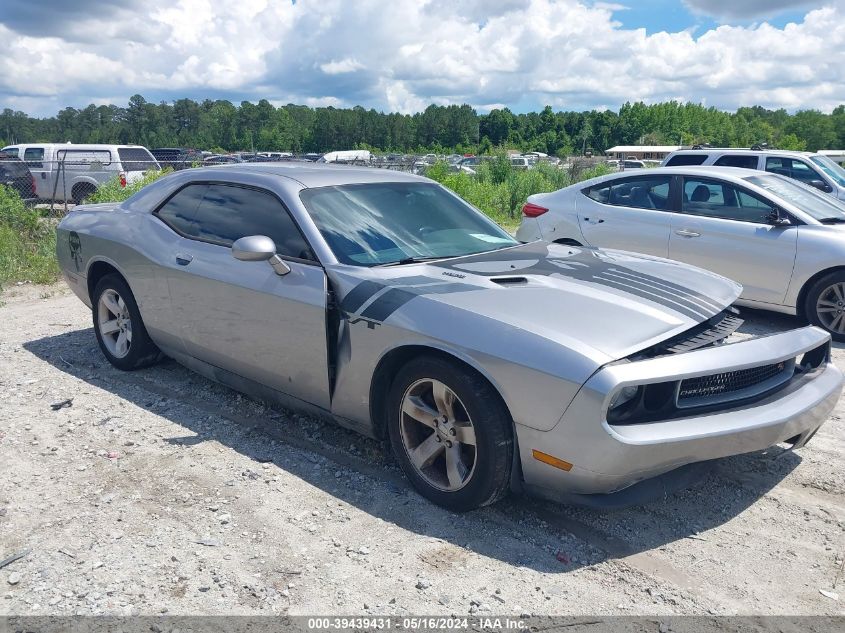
column 813, row 169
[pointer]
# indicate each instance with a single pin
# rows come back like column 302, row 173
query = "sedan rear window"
column 641, row 192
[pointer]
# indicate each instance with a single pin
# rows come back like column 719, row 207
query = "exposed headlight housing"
column 623, row 396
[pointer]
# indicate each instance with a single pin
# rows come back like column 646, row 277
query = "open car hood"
column 613, row 302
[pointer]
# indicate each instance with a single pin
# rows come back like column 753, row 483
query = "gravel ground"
column 160, row 492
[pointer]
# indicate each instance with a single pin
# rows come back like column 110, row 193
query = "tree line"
column 220, row 125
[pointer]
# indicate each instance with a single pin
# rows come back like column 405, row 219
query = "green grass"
column 499, row 190
column 27, row 243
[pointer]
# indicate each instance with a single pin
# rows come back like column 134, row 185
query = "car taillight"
column 533, row 210
column 122, row 179
column 32, row 184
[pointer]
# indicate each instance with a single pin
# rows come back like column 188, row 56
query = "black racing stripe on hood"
column 591, row 266
column 386, row 304
column 392, row 295
column 359, row 295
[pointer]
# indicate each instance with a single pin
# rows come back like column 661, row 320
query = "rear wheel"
column 82, row 191
column 825, row 304
column 451, row 434
column 120, row 331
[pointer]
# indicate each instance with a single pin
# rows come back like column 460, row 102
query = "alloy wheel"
column 115, row 323
column 437, row 434
column 830, row 307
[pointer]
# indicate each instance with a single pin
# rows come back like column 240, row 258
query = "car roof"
column 741, row 150
column 320, row 174
column 729, row 173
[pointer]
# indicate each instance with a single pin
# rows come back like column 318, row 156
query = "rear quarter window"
column 136, row 159
column 684, row 160
column 746, row 162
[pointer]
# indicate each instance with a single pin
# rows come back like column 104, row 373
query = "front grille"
column 733, row 385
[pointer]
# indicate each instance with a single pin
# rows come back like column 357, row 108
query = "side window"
column 792, row 168
column 683, row 160
column 734, row 160
column 599, row 193
column 34, row 156
column 715, row 199
column 229, row 212
column 180, row 211
column 641, row 192
column 803, row 172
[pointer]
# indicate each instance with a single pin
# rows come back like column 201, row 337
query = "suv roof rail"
column 757, row 147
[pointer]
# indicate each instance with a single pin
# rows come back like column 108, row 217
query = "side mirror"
column 821, row 185
column 259, row 248
column 776, row 219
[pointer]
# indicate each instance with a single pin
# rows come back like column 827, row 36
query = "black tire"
column 141, row 352
column 82, row 192
column 489, row 479
column 824, row 286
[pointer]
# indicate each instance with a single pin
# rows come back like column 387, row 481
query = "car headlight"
column 623, row 396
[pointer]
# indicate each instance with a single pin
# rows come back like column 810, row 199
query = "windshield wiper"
column 833, row 220
column 416, row 260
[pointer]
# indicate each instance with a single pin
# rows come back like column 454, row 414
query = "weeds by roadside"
column 27, row 243
column 500, row 190
column 111, row 191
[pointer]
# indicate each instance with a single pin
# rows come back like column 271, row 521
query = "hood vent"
column 509, row 281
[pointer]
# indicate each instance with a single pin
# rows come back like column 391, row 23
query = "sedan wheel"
column 451, row 433
column 830, row 306
column 437, row 434
column 824, row 304
column 115, row 323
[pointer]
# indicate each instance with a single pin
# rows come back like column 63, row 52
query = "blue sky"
column 673, row 16
column 402, row 55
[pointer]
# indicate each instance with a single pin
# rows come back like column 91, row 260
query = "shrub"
column 111, row 191
column 27, row 242
column 500, row 190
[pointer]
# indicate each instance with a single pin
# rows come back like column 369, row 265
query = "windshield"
column 388, row 222
column 817, row 205
column 830, row 168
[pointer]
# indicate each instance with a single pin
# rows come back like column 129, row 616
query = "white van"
column 69, row 171
column 347, row 156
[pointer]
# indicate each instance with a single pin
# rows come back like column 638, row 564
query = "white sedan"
column 783, row 241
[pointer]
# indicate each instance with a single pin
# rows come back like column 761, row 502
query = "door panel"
column 721, row 229
column 243, row 317
column 628, row 214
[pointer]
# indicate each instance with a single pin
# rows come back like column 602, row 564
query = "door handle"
column 183, row 259
column 687, row 233
column 599, row 221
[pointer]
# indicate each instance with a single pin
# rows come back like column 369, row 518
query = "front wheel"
column 451, row 434
column 825, row 304
column 120, row 330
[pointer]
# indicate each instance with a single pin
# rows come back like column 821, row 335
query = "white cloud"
column 347, row 65
column 405, row 54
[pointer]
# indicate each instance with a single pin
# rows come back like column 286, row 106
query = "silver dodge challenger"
column 387, row 303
